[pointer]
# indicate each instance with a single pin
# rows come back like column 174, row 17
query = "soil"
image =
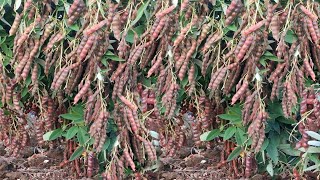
column 198, row 164
column 32, row 164
column 188, row 164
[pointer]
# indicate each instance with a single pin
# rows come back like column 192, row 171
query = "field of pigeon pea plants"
column 159, row 89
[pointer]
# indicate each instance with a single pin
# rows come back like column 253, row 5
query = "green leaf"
column 234, row 154
column 287, row 149
column 90, row 142
column 184, row 82
column 267, row 53
column 229, row 133
column 290, row 37
column 275, row 126
column 210, row 135
column 115, row 58
column 130, row 36
column 2, row 39
column 239, row 135
column 24, row 92
column 235, row 110
column 147, row 82
column 225, row 31
column 270, row 168
column 77, row 153
column 76, row 118
column 77, row 109
column 82, row 136
column 313, row 135
column 181, row 95
column 104, row 61
column 28, row 81
column 232, row 27
column 110, row 55
column 106, row 145
column 314, row 158
column 230, row 117
column 263, row 62
column 264, row 144
column 311, row 168
column 275, row 110
column 3, row 2
column 310, row 149
column 140, row 12
column 271, row 58
column 52, row 135
column 285, row 120
column 6, row 50
column 283, row 157
column 74, row 27
column 314, row 143
column 139, row 30
column 72, row 132
column 273, row 152
column 131, row 33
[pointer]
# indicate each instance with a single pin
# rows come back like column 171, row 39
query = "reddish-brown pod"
column 312, row 30
column 231, row 7
column 90, row 164
column 25, row 71
column 158, row 28
column 204, row 31
column 240, row 92
column 118, row 71
column 129, row 159
column 34, row 75
column 245, row 48
column 308, row 13
column 157, row 63
column 296, row 174
column 82, row 91
column 217, row 78
column 73, row 7
column 191, row 74
column 184, row 66
column 253, row 28
column 217, row 36
column 136, row 53
column 270, row 10
column 87, row 46
column 309, row 69
column 275, row 27
column 184, row 31
column 277, row 71
column 95, row 27
column 131, row 105
column 15, row 24
column 165, row 11
column 116, row 27
column 248, row 165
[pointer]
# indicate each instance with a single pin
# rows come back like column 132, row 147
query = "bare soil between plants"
column 33, row 164
column 197, row 164
column 188, row 164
